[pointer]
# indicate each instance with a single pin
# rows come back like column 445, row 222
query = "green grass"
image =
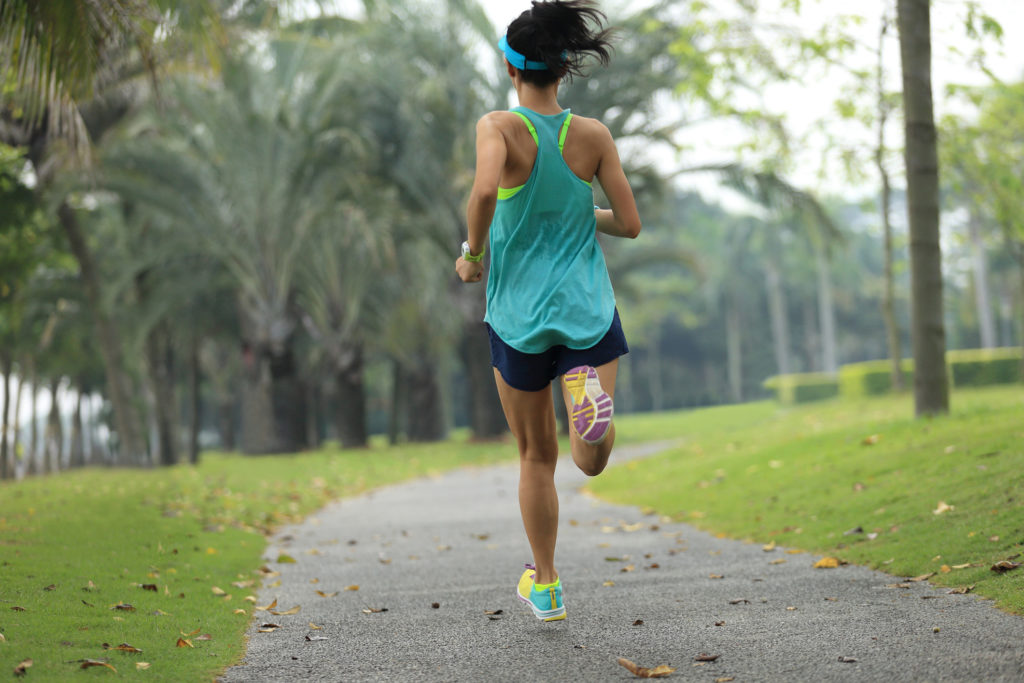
column 97, row 535
column 802, row 476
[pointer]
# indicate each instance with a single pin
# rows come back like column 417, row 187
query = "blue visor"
column 518, row 60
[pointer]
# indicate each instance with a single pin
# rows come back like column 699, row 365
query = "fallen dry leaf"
column 628, row 568
column 435, row 605
column 702, row 657
column 739, row 601
column 141, row 666
column 719, row 623
column 768, row 548
column 124, row 607
column 660, row 671
column 779, row 560
column 204, row 636
column 962, row 590
column 716, row 576
column 149, row 587
column 942, row 507
column 218, row 591
column 89, row 663
column 51, row 587
column 189, row 635
column 123, row 647
column 871, row 440
column 326, row 595
column 315, row 627
column 284, row 613
column 268, row 607
column 847, row 660
column 1003, row 566
column 638, row 622
column 268, row 628
column 724, row 679
column 353, row 587
column 239, row 611
column 185, row 642
column 17, row 609
column 374, row 610
column 962, row 566
column 23, row 666
column 284, row 558
column 608, row 584
column 828, row 563
column 313, row 638
column 922, row 577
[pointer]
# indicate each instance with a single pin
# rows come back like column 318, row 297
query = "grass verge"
column 145, row 557
column 809, row 477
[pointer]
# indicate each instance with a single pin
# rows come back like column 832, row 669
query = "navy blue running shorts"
column 535, row 371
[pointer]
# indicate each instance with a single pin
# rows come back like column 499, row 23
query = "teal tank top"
column 548, row 283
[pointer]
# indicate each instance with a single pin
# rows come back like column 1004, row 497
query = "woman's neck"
column 541, row 100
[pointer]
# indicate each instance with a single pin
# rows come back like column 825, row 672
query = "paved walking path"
column 438, row 554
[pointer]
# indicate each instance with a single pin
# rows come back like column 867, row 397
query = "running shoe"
column 591, row 407
column 546, row 602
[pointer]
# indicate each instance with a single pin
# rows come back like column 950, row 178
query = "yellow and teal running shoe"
column 592, row 408
column 545, row 601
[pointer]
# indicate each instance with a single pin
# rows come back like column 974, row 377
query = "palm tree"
column 247, row 177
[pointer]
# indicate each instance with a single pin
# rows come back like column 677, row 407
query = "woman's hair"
column 560, row 33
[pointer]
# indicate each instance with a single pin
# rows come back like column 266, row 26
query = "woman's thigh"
column 531, row 417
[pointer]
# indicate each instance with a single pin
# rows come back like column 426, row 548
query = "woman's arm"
column 622, row 220
column 483, row 198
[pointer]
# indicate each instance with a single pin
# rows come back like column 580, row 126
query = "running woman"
column 550, row 305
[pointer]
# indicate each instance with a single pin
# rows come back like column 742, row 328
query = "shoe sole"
column 592, row 407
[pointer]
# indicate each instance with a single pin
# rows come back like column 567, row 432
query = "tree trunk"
column 32, row 464
column 812, row 338
column 655, row 378
column 982, row 296
column 425, row 416
column 931, row 384
column 77, row 455
column 486, row 417
column 131, row 447
column 398, row 409
column 6, row 461
column 226, row 423
column 273, row 403
column 826, row 313
column 350, row 418
column 194, row 407
column 160, row 366
column 16, row 455
column 777, row 313
column 734, row 348
column 53, row 446
column 892, row 331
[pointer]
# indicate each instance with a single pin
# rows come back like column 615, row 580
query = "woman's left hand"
column 469, row 271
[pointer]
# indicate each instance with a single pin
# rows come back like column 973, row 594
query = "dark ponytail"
column 560, row 33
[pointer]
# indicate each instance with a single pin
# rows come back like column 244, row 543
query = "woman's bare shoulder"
column 592, row 129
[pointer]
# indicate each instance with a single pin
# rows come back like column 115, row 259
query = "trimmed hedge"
column 803, row 387
column 872, row 378
column 966, row 367
column 982, row 367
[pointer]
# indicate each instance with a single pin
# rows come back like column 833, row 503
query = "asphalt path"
column 436, row 563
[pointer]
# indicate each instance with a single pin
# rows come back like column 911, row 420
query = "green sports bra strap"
column 529, row 124
column 565, row 130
